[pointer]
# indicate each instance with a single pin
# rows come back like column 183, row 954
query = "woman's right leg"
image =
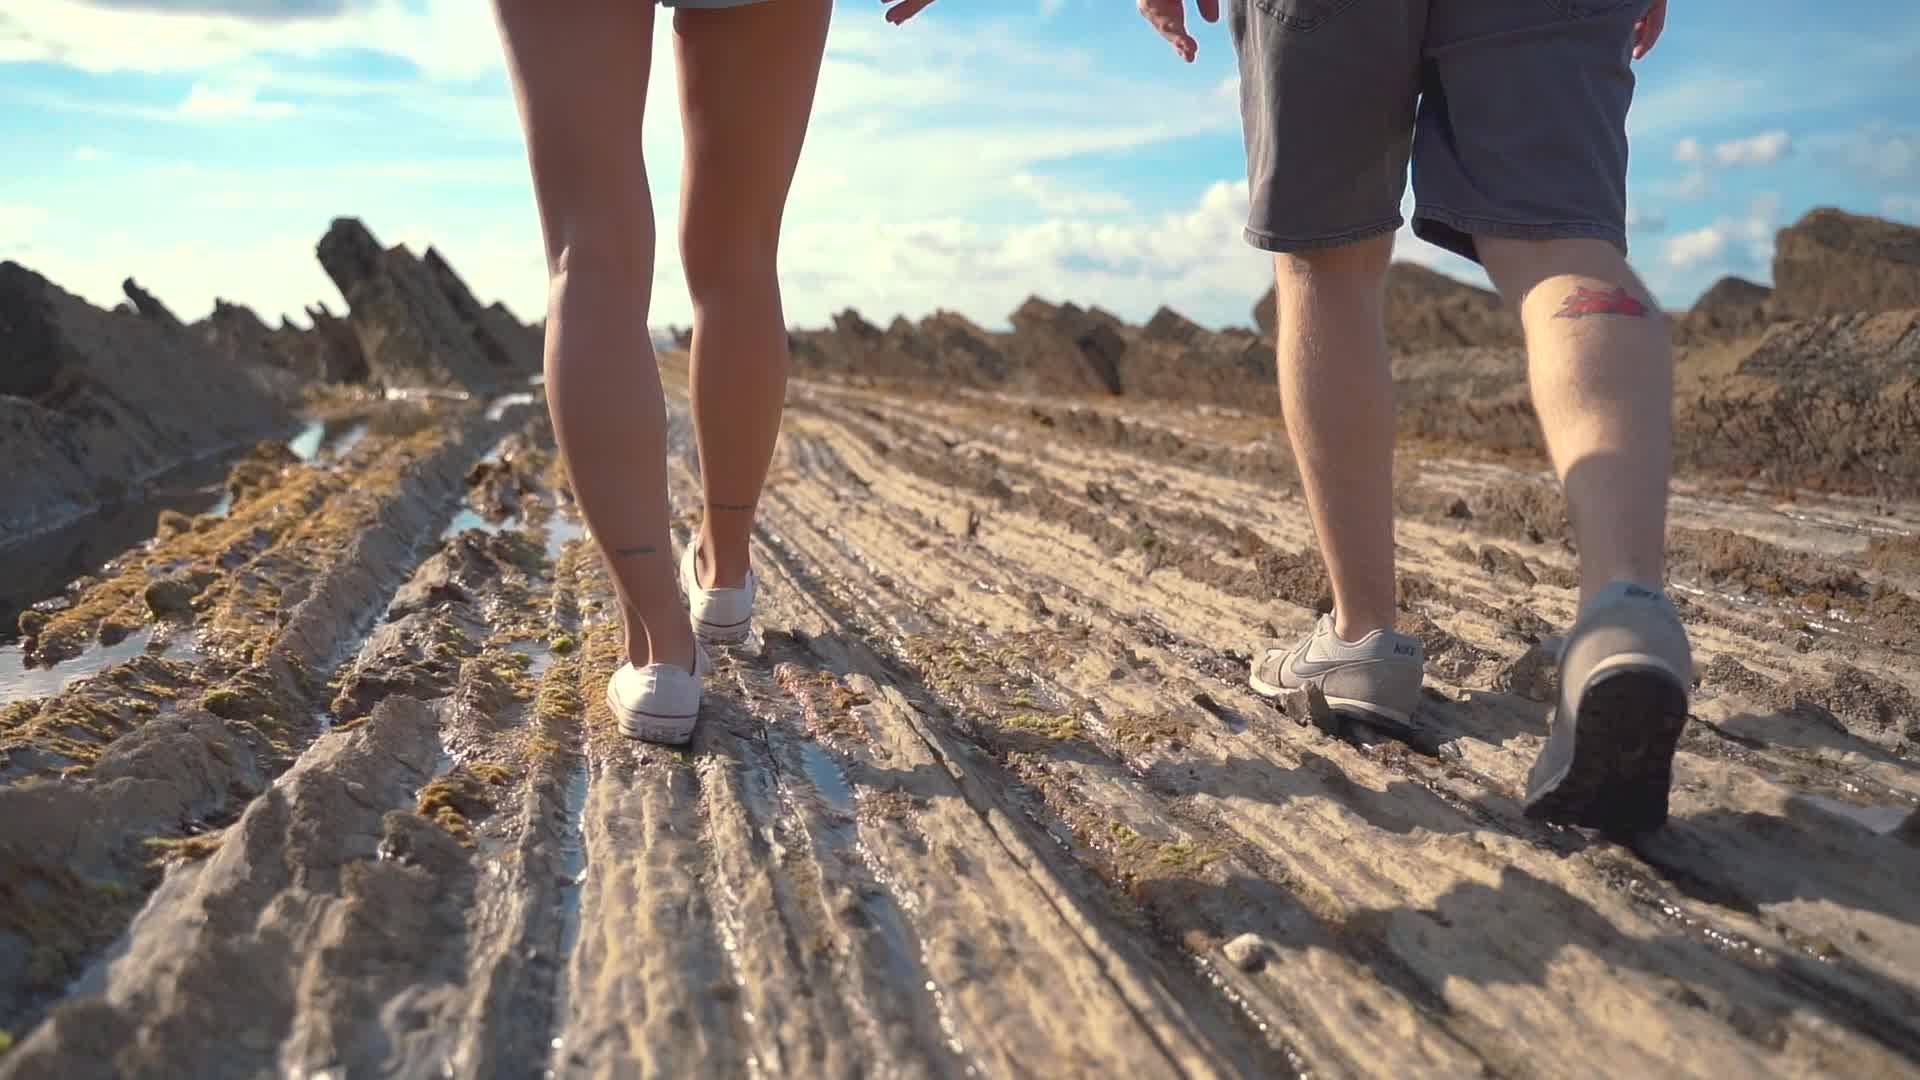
column 580, row 77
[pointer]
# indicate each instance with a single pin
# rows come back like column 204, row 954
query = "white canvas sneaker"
column 659, row 702
column 720, row 616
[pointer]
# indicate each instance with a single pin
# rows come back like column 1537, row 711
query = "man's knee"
column 1518, row 266
column 1361, row 265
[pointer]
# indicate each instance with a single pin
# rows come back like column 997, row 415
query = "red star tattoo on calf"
column 1585, row 302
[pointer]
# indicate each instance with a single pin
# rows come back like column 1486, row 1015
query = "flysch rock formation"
column 987, row 796
column 93, row 403
column 1732, row 308
column 1831, row 262
column 417, row 323
column 988, row 793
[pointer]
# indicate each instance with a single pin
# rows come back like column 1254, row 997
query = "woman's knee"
column 724, row 258
column 604, row 239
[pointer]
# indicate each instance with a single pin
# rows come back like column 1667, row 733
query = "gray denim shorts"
column 700, row 5
column 1513, row 112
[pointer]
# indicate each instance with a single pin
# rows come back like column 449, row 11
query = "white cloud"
column 1875, row 154
column 1644, row 220
column 1739, row 243
column 1901, row 207
column 240, row 103
column 1055, row 199
column 1763, row 149
column 446, row 39
column 1692, row 186
column 1689, row 249
column 89, row 153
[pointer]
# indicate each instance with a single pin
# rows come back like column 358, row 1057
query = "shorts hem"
column 1473, row 225
column 1281, row 245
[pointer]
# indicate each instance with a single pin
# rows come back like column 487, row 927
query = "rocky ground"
column 988, row 793
column 317, row 779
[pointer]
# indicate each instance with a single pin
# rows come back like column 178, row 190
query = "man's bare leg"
column 747, row 77
column 1336, row 390
column 1601, row 364
column 580, row 77
column 1600, row 361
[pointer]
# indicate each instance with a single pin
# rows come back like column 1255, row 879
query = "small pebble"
column 1248, row 952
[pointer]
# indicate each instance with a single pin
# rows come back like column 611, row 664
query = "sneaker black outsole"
column 1625, row 732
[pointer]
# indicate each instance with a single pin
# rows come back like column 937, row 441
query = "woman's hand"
column 902, row 10
column 1170, row 18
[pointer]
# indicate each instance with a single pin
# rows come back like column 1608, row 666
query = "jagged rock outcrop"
column 327, row 352
column 416, row 322
column 1426, row 309
column 1172, row 327
column 148, row 305
column 1065, row 347
column 1832, row 262
column 1733, row 308
column 500, row 336
column 96, row 402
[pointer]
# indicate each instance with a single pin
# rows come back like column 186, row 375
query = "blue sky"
column 983, row 152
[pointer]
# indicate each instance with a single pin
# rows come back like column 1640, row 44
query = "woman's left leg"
column 747, row 77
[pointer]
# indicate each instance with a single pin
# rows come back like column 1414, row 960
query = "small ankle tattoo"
column 1585, row 302
column 738, row 508
column 637, row 549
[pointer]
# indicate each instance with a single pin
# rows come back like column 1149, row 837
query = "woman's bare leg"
column 747, row 77
column 580, row 76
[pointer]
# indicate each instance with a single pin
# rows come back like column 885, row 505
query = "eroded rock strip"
column 80, row 848
column 241, row 935
column 1260, row 828
column 651, row 990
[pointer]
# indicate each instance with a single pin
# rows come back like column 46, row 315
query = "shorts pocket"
column 1305, row 15
column 1590, row 9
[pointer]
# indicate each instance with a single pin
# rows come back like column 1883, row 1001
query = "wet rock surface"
column 987, row 791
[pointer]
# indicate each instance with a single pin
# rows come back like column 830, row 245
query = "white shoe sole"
column 1267, row 689
column 673, row 730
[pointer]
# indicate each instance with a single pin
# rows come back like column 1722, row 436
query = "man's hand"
column 1170, row 18
column 1645, row 32
column 902, row 10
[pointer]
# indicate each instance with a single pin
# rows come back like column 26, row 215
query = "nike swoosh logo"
column 1307, row 669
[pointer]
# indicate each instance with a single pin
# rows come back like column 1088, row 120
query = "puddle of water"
column 18, row 682
column 562, row 529
column 1878, row 820
column 539, row 656
column 306, row 445
column 42, row 565
column 327, row 438
column 498, row 407
column 573, row 873
column 425, row 393
column 827, row 778
column 467, row 518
